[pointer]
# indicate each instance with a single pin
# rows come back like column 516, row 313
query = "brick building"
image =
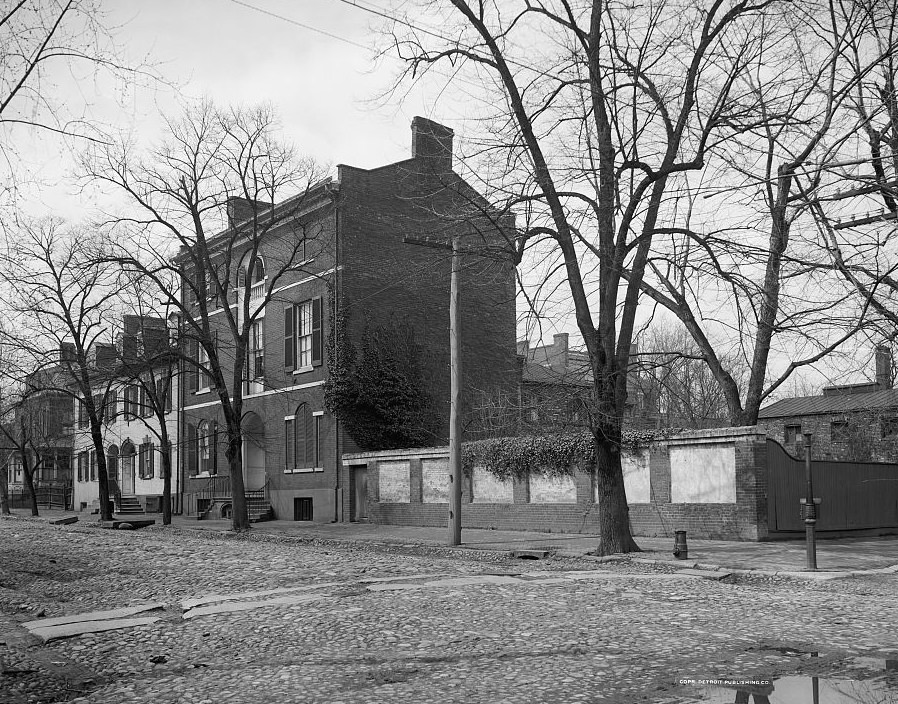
column 45, row 414
column 556, row 385
column 359, row 269
column 557, row 388
column 857, row 422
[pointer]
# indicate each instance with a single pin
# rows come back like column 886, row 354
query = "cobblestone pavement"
column 381, row 623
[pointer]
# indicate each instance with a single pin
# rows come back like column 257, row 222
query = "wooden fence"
column 855, row 495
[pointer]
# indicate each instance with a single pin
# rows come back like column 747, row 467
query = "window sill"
column 200, row 392
column 304, row 470
column 303, row 370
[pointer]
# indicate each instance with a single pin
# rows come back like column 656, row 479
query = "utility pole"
column 455, row 373
column 454, row 400
column 455, row 384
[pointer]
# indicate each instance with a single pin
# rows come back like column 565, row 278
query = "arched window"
column 302, row 439
column 259, row 270
column 127, row 457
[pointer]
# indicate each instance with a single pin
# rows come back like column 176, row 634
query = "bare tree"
column 44, row 45
column 603, row 123
column 202, row 205
column 673, row 385
column 61, row 304
column 762, row 261
column 856, row 201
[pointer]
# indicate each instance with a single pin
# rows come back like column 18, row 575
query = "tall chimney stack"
column 433, row 142
column 883, row 367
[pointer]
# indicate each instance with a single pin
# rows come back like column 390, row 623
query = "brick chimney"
column 883, row 367
column 432, row 141
column 240, row 209
column 559, row 360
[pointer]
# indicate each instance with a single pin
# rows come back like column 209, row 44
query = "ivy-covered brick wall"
column 546, row 483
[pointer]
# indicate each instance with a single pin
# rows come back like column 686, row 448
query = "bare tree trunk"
column 102, row 477
column 166, row 480
column 4, row 491
column 239, row 515
column 614, row 522
column 29, row 482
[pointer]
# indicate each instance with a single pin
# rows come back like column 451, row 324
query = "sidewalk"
column 842, row 555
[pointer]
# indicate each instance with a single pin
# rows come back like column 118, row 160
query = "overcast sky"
column 313, row 60
column 323, row 84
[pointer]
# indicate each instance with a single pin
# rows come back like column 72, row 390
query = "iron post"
column 810, row 508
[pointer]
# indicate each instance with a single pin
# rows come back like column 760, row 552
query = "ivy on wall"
column 376, row 388
column 557, row 455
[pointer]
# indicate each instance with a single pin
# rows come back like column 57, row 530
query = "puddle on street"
column 804, row 690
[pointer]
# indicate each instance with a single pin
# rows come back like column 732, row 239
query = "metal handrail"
column 259, row 493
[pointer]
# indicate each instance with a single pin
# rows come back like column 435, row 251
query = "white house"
column 144, row 380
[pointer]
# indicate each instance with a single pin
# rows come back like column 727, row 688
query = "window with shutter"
column 214, row 469
column 193, row 373
column 316, row 332
column 316, row 441
column 142, row 461
column 111, row 405
column 192, row 450
column 304, row 334
column 289, row 423
column 255, row 356
column 289, row 338
column 299, row 427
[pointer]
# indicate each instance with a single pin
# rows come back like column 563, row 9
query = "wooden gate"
column 855, row 495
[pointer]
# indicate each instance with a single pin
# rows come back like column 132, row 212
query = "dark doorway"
column 302, row 509
column 359, row 496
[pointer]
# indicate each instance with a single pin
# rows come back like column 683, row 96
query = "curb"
column 571, row 554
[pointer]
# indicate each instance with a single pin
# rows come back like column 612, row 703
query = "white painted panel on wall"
column 490, row 490
column 394, row 482
column 703, row 474
column 546, row 489
column 636, row 477
column 435, row 480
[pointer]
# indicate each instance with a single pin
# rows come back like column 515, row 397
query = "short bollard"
column 681, row 550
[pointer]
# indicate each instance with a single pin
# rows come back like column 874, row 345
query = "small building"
column 856, row 422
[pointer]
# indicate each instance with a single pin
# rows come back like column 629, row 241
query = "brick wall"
column 384, row 277
column 743, row 519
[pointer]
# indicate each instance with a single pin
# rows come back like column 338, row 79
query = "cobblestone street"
column 281, row 619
